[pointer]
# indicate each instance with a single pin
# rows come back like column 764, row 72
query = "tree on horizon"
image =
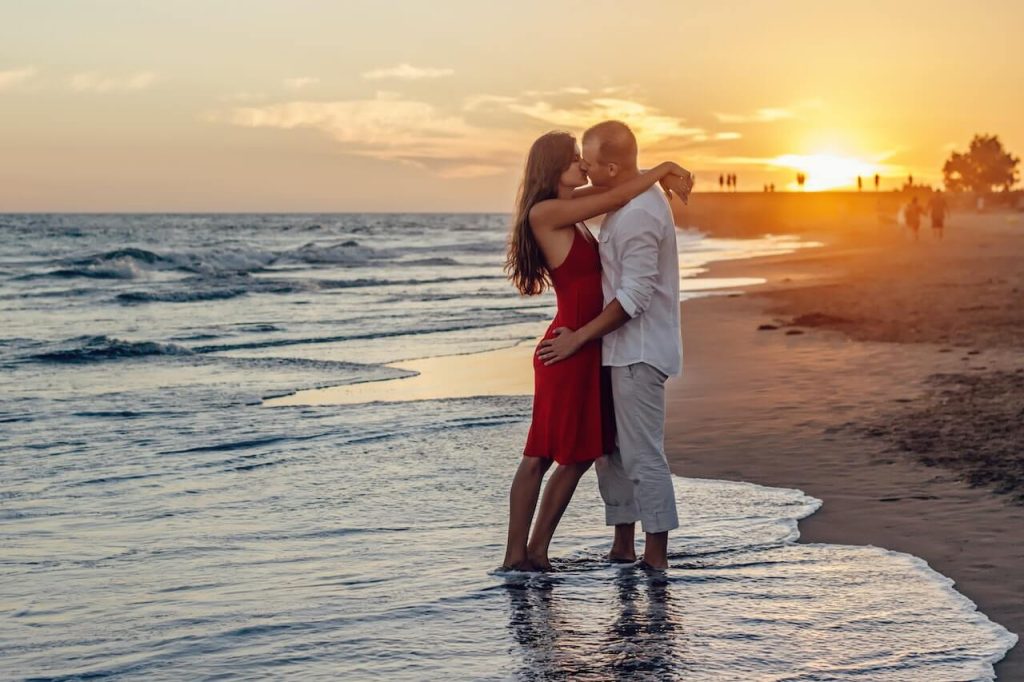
column 983, row 166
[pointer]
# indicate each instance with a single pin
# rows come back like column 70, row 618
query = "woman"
column 573, row 422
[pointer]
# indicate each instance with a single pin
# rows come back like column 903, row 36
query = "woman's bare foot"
column 525, row 565
column 540, row 563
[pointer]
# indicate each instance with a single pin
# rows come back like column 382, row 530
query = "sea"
column 159, row 521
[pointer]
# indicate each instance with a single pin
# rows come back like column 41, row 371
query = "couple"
column 600, row 370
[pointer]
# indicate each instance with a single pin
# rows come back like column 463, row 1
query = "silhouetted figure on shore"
column 771, row 187
column 766, row 188
column 801, row 178
column 860, row 183
column 910, row 180
column 937, row 209
column 912, row 216
column 878, row 180
column 721, row 182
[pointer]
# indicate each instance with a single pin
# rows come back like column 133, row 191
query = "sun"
column 827, row 171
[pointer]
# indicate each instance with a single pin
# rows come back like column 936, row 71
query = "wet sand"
column 847, row 404
column 845, row 394
column 506, row 371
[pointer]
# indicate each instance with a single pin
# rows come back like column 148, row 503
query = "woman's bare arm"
column 554, row 214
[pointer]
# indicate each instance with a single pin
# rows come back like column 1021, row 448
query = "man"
column 937, row 209
column 641, row 344
column 912, row 216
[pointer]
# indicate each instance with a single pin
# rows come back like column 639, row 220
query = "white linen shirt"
column 640, row 268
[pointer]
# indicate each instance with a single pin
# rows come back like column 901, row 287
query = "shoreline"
column 782, row 407
column 508, row 370
column 778, row 408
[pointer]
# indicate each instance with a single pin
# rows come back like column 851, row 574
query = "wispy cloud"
column 770, row 114
column 475, row 102
column 765, row 115
column 244, row 96
column 568, row 90
column 15, row 77
column 300, row 82
column 466, row 171
column 575, row 108
column 389, row 127
column 408, row 72
column 95, row 82
column 484, row 135
column 650, row 125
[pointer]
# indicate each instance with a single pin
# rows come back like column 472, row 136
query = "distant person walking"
column 721, row 182
column 877, row 181
column 912, row 216
column 937, row 209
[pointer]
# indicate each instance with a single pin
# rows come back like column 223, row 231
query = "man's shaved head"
column 614, row 143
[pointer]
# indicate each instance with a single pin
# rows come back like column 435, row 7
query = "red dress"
column 573, row 420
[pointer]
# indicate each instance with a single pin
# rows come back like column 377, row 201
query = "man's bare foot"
column 617, row 558
column 646, row 565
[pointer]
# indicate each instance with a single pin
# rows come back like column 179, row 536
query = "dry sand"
column 907, row 353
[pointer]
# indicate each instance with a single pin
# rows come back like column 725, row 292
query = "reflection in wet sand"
column 507, row 371
column 563, row 634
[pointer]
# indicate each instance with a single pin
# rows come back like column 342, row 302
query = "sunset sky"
column 314, row 105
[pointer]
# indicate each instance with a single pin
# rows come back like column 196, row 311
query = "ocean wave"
column 226, row 259
column 124, row 268
column 133, row 262
column 211, row 289
column 513, row 317
column 84, row 349
column 186, row 296
column 373, row 282
column 349, row 252
column 491, row 247
column 440, row 260
column 140, row 255
column 204, row 288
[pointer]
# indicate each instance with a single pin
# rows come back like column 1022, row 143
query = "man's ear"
column 613, row 169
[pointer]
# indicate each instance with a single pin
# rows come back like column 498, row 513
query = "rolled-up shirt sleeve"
column 638, row 237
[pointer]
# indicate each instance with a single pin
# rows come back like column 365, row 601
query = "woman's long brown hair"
column 549, row 157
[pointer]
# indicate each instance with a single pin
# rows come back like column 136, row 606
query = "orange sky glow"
column 311, row 105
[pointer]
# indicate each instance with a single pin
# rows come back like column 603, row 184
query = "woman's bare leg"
column 522, row 501
column 557, row 494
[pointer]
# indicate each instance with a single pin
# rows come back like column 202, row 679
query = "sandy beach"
column 879, row 375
